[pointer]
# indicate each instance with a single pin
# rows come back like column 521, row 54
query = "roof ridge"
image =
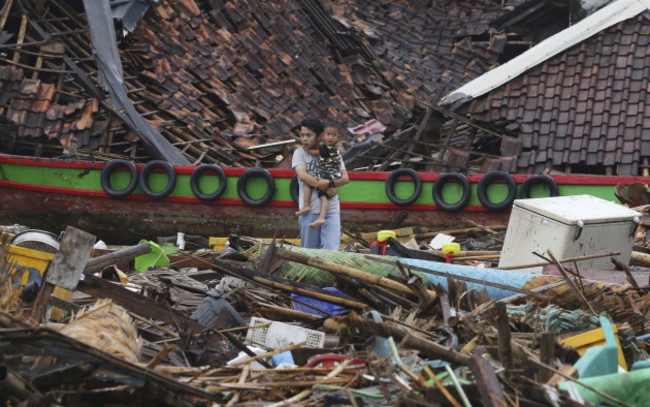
column 602, row 19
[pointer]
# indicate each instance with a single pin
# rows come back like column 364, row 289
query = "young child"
column 329, row 168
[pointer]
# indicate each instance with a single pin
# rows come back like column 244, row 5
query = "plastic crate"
column 280, row 335
column 330, row 308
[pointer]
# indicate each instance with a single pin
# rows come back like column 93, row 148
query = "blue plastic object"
column 330, row 308
column 284, row 357
column 511, row 278
column 383, row 347
column 600, row 360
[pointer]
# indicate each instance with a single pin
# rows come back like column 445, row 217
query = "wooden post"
column 97, row 263
column 4, row 13
column 547, row 351
column 21, row 38
column 504, row 335
column 405, row 337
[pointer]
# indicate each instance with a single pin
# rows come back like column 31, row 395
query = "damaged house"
column 217, row 79
column 227, row 82
column 575, row 103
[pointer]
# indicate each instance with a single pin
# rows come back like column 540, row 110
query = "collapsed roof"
column 217, row 80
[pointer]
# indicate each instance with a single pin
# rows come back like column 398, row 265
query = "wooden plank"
column 65, row 269
column 69, row 262
column 487, row 382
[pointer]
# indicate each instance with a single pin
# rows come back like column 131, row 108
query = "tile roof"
column 216, row 81
column 427, row 50
column 31, row 106
column 584, row 110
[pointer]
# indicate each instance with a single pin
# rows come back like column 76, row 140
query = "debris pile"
column 266, row 323
column 228, row 82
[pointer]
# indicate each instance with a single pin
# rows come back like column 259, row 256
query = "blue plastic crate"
column 330, row 308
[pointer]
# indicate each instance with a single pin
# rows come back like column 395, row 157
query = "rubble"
column 264, row 325
column 396, row 318
column 227, row 82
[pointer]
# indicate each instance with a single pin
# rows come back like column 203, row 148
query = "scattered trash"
column 272, row 323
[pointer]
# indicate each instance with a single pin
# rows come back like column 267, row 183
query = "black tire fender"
column 439, row 184
column 144, row 179
column 390, row 186
column 243, row 180
column 294, row 189
column 542, row 179
column 488, row 179
column 106, row 178
column 198, row 173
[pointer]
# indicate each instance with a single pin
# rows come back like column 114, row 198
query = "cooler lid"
column 574, row 208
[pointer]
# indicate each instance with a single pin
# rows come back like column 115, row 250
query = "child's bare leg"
column 324, row 206
column 306, row 206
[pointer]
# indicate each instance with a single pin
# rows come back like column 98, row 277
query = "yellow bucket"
column 32, row 264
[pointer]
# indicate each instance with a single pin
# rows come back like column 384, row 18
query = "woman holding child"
column 319, row 167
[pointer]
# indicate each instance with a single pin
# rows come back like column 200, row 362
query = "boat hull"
column 50, row 194
column 123, row 221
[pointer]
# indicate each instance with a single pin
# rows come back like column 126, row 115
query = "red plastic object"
column 330, row 360
column 449, row 257
column 379, row 248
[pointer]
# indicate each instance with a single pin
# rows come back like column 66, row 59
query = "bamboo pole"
column 4, row 13
column 339, row 269
column 571, row 283
column 305, row 393
column 269, row 354
column 467, row 253
column 97, row 263
column 489, row 257
column 323, row 297
column 569, row 260
column 404, row 337
column 429, row 235
column 283, row 285
column 285, row 313
column 639, row 257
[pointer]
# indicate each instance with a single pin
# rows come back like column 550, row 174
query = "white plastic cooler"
column 570, row 226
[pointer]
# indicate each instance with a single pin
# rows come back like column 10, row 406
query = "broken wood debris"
column 428, row 342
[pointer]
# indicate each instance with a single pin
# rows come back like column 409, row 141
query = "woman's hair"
column 313, row 124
